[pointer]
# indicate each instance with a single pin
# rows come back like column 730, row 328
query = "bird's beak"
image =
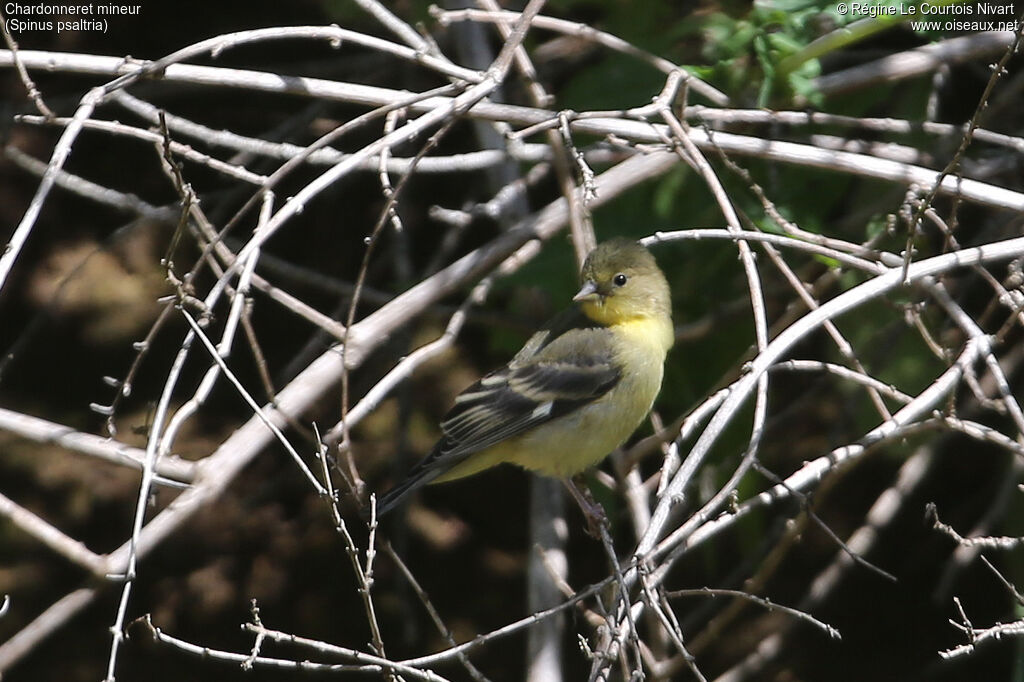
column 588, row 292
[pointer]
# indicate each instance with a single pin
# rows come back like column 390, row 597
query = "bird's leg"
column 593, row 512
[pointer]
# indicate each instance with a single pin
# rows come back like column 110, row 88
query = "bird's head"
column 621, row 281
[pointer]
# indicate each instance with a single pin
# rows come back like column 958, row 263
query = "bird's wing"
column 573, row 369
column 562, row 367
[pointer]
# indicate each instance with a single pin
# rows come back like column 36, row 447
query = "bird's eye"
column 619, row 280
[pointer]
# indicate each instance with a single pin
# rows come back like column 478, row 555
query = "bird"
column 576, row 391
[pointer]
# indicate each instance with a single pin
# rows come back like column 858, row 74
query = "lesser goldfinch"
column 578, row 388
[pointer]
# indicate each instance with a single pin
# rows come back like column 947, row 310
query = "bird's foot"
column 593, row 512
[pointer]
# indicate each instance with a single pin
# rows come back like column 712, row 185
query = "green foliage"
column 772, row 50
column 753, row 52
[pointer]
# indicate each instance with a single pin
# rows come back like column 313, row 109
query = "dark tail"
column 420, row 475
